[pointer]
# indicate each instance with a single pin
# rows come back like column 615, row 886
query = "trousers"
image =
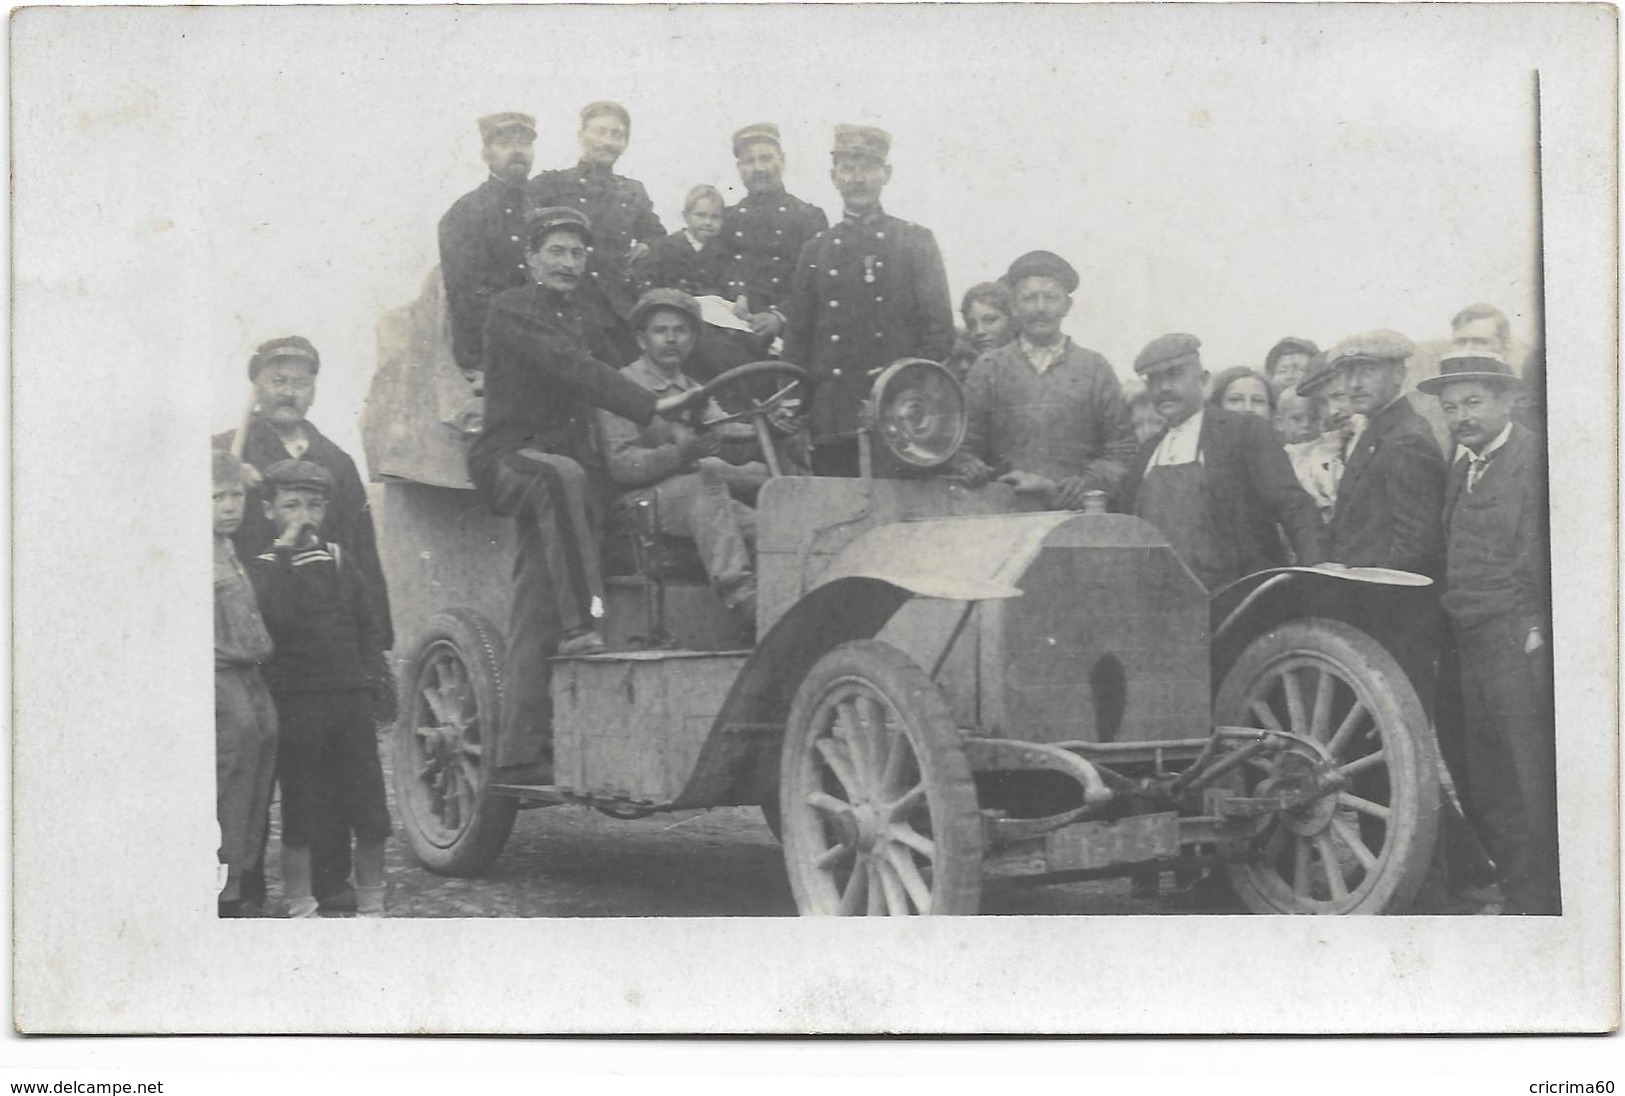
column 556, row 581
column 1510, row 786
column 245, row 741
column 699, row 505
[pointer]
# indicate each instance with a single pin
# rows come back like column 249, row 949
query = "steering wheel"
column 734, row 382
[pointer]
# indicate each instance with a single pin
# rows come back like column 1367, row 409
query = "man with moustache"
column 1319, row 461
column 1216, row 482
column 482, row 250
column 1392, row 490
column 1044, row 413
column 867, row 291
column 767, row 228
column 283, row 372
column 1497, row 598
column 535, row 461
column 622, row 217
column 1288, row 362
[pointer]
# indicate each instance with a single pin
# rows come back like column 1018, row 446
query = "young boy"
column 328, row 655
column 244, row 716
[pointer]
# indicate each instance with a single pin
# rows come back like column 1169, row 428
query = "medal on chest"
column 869, row 262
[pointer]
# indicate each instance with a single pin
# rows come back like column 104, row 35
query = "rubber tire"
column 929, row 728
column 477, row 643
column 1413, row 758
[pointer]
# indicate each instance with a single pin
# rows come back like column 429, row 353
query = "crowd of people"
column 588, row 328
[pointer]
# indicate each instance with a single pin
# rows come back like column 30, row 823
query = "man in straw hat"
column 1497, row 599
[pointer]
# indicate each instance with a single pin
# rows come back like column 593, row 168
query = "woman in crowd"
column 1242, row 389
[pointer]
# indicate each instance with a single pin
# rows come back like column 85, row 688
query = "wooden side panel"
column 633, row 725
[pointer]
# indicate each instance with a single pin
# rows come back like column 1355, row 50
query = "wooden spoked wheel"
column 879, row 813
column 443, row 744
column 1364, row 844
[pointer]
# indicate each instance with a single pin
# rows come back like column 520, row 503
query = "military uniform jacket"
column 482, row 253
column 621, row 215
column 1391, row 496
column 349, row 513
column 1496, row 552
column 867, row 291
column 1250, row 489
column 765, row 234
column 542, row 382
column 673, row 263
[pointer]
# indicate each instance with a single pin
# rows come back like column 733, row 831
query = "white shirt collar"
column 1041, row 358
column 692, row 240
column 1500, row 440
column 1182, row 444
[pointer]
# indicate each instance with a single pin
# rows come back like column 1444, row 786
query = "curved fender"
column 1398, row 609
column 958, row 559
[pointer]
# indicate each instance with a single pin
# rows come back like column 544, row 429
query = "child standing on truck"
column 329, row 655
column 244, row 716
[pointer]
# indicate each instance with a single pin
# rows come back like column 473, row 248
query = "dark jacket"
column 542, row 382
column 482, row 253
column 349, row 512
column 315, row 608
column 1391, row 496
column 1250, row 491
column 765, row 233
column 621, row 215
column 1496, row 557
column 672, row 263
column 866, row 292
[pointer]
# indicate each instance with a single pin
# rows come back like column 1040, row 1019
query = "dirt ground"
column 574, row 862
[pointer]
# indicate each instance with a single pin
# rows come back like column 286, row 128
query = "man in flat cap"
column 1392, row 490
column 1287, row 362
column 283, row 372
column 1044, row 413
column 535, row 461
column 698, row 480
column 1216, row 483
column 867, row 291
column 1319, row 461
column 623, row 220
column 1498, row 600
column 482, row 250
column 767, row 229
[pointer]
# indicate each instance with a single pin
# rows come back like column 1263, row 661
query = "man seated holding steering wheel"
column 701, row 477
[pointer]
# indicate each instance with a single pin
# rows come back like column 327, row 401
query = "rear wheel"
column 444, row 747
column 879, row 813
column 1365, row 845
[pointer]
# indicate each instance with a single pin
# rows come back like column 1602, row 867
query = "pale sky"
column 1238, row 173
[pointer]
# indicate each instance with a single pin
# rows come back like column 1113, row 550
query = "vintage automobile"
column 950, row 687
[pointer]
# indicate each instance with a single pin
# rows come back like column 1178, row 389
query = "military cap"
column 287, row 348
column 1288, row 345
column 547, row 218
column 865, row 141
column 493, row 124
column 754, row 133
column 1167, row 352
column 299, row 473
column 604, row 106
column 1042, row 263
column 666, row 298
column 1317, row 373
column 1470, row 365
column 1372, row 346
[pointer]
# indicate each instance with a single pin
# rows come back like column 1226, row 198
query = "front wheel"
column 1365, row 845
column 444, row 745
column 879, row 813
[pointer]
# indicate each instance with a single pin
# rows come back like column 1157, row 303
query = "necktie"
column 1475, row 470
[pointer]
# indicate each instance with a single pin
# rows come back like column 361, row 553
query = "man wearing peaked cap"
column 1288, row 362
column 867, row 291
column 1045, row 414
column 623, row 219
column 536, row 462
column 283, row 372
column 481, row 249
column 1216, row 483
column 766, row 229
column 1392, row 491
column 1497, row 598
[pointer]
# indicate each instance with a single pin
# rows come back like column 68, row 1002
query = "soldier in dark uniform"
column 535, row 461
column 867, row 291
column 768, row 228
column 482, row 250
column 622, row 217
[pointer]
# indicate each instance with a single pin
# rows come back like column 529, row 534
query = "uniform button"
column 880, row 235
column 514, row 238
column 738, row 258
column 740, row 233
column 878, row 335
column 878, row 298
column 782, row 209
column 835, row 338
column 835, row 372
column 775, row 281
column 833, row 272
column 835, row 304
column 507, row 211
column 778, row 232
